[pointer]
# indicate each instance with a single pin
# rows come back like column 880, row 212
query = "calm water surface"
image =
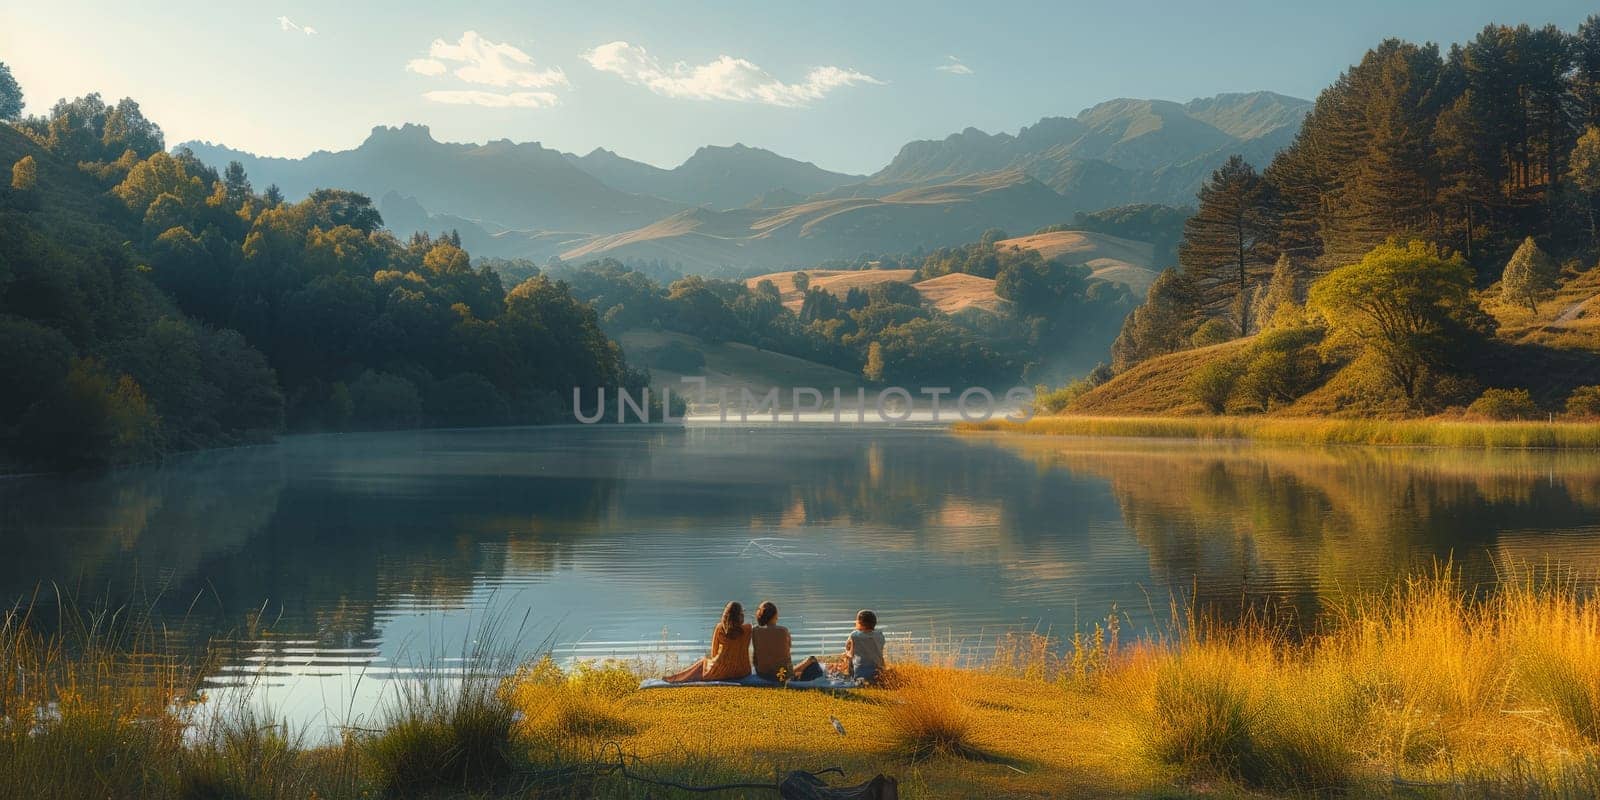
column 338, row 563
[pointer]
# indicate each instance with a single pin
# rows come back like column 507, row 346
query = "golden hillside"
column 948, row 293
column 1112, row 258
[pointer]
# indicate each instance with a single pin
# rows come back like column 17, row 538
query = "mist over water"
column 337, row 563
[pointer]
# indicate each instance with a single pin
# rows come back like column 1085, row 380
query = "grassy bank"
column 1290, row 430
column 1430, row 690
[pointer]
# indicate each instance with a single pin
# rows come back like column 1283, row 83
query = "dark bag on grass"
column 809, row 670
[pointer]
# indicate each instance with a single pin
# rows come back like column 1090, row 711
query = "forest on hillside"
column 885, row 332
column 149, row 304
column 1432, row 201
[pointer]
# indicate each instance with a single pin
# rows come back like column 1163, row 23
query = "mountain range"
column 741, row 209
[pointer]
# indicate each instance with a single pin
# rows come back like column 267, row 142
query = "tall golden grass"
column 1430, row 684
column 1292, row 430
column 1433, row 686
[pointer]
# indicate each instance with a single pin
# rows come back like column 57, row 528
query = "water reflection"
column 335, row 561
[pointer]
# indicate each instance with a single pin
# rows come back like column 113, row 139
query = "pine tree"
column 1466, row 191
column 10, row 95
column 1584, row 172
column 237, row 184
column 1390, row 190
column 1280, row 304
column 1586, row 76
column 1161, row 325
column 1530, row 275
column 1229, row 241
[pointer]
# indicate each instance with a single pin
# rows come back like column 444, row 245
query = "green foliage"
column 33, row 363
column 1584, row 163
column 1408, row 306
column 217, row 304
column 1212, row 384
column 462, row 400
column 1584, row 402
column 1162, row 325
column 1160, row 225
column 24, row 174
column 1055, row 401
column 1055, row 310
column 1228, row 243
column 1584, row 172
column 1215, row 330
column 873, row 370
column 1529, row 276
column 1504, row 404
column 92, row 418
column 380, row 401
column 676, row 356
column 88, row 130
column 1280, row 304
column 446, row 740
column 1281, row 365
column 10, row 95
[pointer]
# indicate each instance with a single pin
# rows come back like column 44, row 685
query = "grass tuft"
column 926, row 717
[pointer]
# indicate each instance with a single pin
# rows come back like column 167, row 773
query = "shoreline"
column 1428, row 684
column 1464, row 434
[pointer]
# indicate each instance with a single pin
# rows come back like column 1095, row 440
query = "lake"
column 335, row 563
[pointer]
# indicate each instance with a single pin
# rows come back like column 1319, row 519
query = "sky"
column 841, row 84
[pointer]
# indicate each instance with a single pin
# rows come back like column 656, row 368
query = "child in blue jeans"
column 864, row 649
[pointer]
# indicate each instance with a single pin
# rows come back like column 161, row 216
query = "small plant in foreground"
column 927, row 719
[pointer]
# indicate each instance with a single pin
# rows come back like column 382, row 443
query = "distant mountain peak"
column 1132, row 140
column 407, row 132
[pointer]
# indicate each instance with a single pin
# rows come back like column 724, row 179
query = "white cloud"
column 726, row 78
column 426, row 66
column 476, row 97
column 485, row 63
column 286, row 24
column 954, row 66
column 478, row 61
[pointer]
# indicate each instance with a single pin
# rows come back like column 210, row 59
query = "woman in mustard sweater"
column 730, row 651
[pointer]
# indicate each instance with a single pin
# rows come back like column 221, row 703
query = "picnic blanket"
column 824, row 682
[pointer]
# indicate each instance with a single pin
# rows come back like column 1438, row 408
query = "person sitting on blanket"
column 863, row 651
column 729, row 659
column 771, row 641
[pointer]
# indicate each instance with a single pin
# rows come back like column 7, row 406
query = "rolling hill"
column 1112, row 258
column 730, row 367
column 738, row 209
column 817, row 230
column 948, row 293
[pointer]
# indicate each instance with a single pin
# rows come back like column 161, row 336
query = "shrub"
column 1504, row 404
column 1584, row 402
column 581, row 703
column 1213, row 331
column 441, row 737
column 464, row 399
column 1054, row 401
column 382, row 401
column 1212, row 384
column 1204, row 718
column 928, row 719
column 1282, row 365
